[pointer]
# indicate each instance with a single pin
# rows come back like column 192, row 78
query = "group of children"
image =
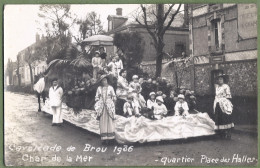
column 155, row 103
column 99, row 64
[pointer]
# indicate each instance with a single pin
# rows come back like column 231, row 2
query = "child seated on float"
column 151, row 101
column 135, row 84
column 130, row 107
column 136, row 87
column 181, row 106
column 160, row 109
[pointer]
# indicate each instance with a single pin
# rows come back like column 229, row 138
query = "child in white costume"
column 97, row 64
column 159, row 109
column 136, row 87
column 181, row 106
column 131, row 107
column 151, row 101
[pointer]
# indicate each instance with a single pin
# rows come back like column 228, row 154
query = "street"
column 30, row 140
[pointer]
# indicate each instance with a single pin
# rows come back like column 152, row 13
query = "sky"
column 21, row 23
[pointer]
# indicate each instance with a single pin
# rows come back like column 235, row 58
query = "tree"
column 18, row 63
column 32, row 55
column 157, row 29
column 9, row 70
column 90, row 25
column 181, row 67
column 131, row 44
column 95, row 24
column 48, row 48
column 57, row 22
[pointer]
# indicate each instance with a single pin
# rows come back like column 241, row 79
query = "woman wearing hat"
column 223, row 107
column 105, row 107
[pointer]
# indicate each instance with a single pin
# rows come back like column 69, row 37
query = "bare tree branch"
column 167, row 13
column 172, row 18
column 147, row 26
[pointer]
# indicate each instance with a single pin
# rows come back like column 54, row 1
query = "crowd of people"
column 109, row 93
column 149, row 97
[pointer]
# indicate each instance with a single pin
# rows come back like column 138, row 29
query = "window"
column 216, row 35
column 179, row 49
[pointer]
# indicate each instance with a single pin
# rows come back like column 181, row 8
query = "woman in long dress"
column 223, row 108
column 105, row 108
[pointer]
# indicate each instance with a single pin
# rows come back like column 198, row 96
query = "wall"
column 170, row 38
column 168, row 73
column 239, row 55
column 242, row 78
column 232, row 41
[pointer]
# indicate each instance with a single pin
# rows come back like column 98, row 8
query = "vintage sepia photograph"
column 130, row 84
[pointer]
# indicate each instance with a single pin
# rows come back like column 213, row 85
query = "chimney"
column 119, row 11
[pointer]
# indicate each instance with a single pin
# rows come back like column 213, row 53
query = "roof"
column 131, row 19
column 136, row 25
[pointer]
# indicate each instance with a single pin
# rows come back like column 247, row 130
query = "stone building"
column 176, row 37
column 223, row 39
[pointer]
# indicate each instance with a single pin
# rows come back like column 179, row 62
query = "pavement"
column 245, row 129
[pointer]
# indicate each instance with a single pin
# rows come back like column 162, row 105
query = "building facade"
column 38, row 67
column 223, row 39
column 176, row 38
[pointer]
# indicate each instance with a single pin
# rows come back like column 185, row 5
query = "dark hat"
column 121, row 71
column 54, row 79
column 107, row 76
column 224, row 76
column 221, row 75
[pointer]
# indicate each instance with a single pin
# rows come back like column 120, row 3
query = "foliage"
column 32, row 55
column 57, row 22
column 180, row 67
column 132, row 45
column 70, row 59
column 158, row 27
column 90, row 25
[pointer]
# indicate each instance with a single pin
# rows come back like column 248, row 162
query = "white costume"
column 179, row 106
column 55, row 95
column 119, row 65
column 39, row 86
column 151, row 104
column 159, row 111
column 113, row 67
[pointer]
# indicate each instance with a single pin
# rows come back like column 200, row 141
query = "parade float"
column 79, row 100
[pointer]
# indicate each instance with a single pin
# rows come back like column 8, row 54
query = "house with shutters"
column 223, row 39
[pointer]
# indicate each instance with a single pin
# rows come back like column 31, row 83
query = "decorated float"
column 79, row 100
